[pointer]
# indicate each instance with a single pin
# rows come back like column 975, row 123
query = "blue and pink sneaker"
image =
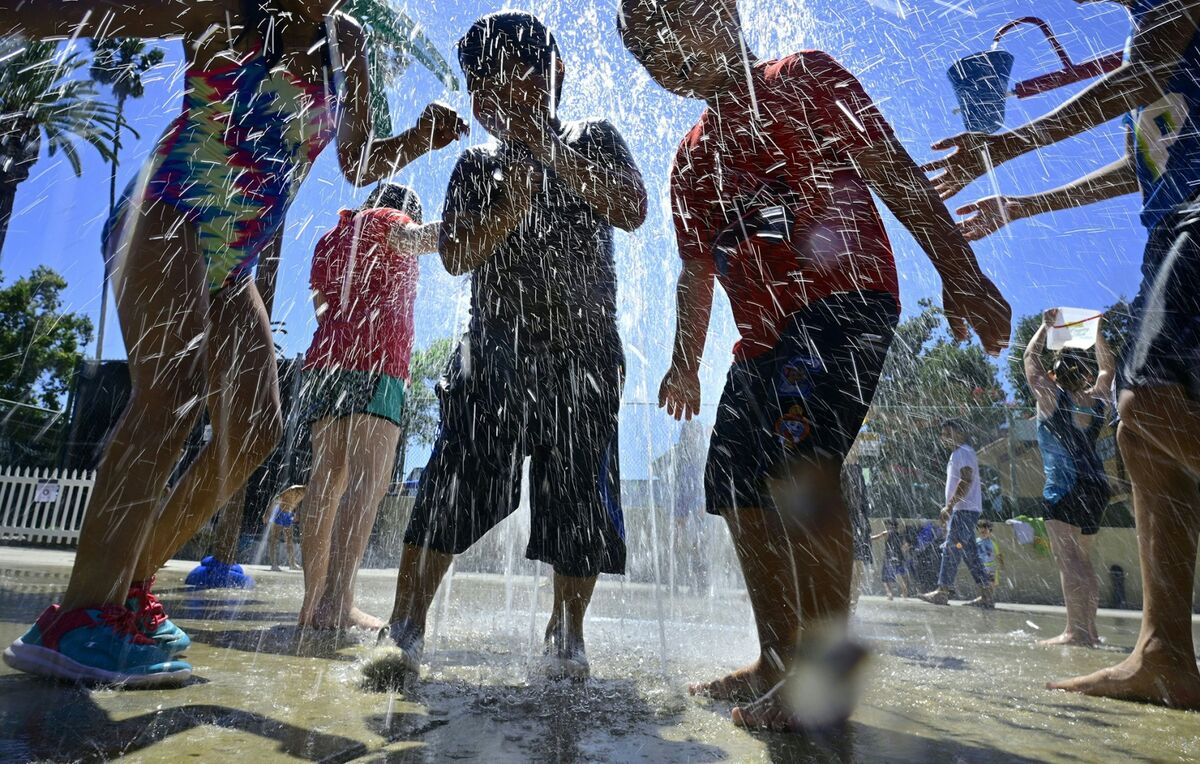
column 94, row 645
column 152, row 620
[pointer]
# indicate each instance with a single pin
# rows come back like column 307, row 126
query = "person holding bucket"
column 1072, row 407
column 1157, row 91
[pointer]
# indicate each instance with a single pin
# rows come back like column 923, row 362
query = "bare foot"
column 1070, row 639
column 767, row 713
column 355, row 619
column 1148, row 676
column 744, row 685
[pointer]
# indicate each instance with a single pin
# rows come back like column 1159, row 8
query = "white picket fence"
column 43, row 506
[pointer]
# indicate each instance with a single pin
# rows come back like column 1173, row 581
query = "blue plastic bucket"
column 980, row 83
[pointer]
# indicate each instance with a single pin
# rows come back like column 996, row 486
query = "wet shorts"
column 561, row 411
column 805, row 398
column 1083, row 506
column 892, row 569
column 285, row 519
column 338, row 393
column 1165, row 344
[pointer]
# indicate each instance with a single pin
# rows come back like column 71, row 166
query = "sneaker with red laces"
column 95, row 645
column 152, row 619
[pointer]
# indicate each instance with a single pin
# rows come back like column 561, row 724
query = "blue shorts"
column 1164, row 347
column 892, row 570
column 285, row 519
column 805, row 398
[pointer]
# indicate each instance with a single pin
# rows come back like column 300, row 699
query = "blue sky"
column 1086, row 257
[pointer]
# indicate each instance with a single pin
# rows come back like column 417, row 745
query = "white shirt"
column 964, row 456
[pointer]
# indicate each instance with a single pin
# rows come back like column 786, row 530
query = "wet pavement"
column 945, row 684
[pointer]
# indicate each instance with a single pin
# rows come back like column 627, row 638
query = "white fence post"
column 51, row 518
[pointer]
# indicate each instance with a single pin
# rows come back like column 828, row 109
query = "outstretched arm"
column 416, row 239
column 1044, row 390
column 1106, row 363
column 992, row 213
column 1156, row 49
column 363, row 158
column 107, row 18
column 969, row 298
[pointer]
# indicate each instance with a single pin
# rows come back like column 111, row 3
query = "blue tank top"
column 1069, row 452
column 1167, row 134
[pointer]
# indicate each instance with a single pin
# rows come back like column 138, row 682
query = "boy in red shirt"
column 771, row 192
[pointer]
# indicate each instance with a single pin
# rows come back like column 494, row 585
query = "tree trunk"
column 112, row 206
column 8, row 194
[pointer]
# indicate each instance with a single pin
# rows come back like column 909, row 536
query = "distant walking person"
column 1072, row 406
column 964, row 504
column 894, row 543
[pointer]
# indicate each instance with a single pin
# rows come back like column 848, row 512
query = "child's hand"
column 441, row 124
column 975, row 303
column 679, row 393
column 988, row 215
column 968, row 161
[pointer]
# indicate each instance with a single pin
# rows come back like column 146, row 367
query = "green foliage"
column 420, row 417
column 120, row 62
column 39, row 97
column 40, row 343
column 928, row 377
column 393, row 39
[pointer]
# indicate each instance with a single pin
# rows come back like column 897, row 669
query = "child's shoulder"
column 805, row 64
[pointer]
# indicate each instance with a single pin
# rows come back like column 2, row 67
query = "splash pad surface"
column 946, row 684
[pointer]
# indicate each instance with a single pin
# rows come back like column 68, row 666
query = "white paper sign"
column 46, row 492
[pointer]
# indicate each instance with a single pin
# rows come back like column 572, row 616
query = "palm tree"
column 40, row 101
column 119, row 63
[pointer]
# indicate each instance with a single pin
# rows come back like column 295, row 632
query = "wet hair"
column 891, row 522
column 1072, row 366
column 397, row 197
column 495, row 39
column 984, row 524
column 957, row 426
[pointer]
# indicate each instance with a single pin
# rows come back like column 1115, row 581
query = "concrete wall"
column 1029, row 578
column 1026, row 578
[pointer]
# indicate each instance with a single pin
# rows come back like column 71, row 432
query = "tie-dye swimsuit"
column 233, row 161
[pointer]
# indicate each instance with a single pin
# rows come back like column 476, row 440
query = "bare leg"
column 289, row 543
column 1075, row 570
column 795, row 561
column 273, row 546
column 244, row 409
column 373, row 443
column 162, row 299
column 1161, row 452
column 421, row 570
column 330, row 475
column 571, row 598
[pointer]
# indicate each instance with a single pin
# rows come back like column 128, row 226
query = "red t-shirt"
column 369, row 289
column 776, row 201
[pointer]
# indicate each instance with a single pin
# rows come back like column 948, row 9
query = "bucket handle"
column 1071, row 71
column 1067, row 63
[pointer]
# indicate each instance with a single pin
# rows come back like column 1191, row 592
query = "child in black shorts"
column 540, row 370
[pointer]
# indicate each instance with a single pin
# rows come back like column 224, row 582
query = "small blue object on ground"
column 211, row 573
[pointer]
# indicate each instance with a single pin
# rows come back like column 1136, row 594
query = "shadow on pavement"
column 41, row 721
